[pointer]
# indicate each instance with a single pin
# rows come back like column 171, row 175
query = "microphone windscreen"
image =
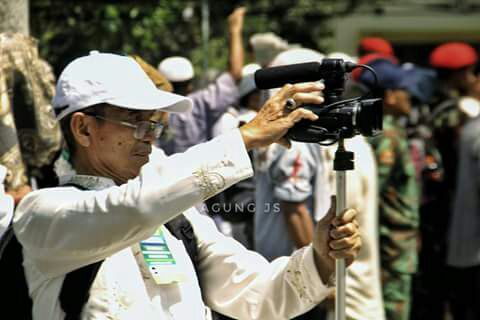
column 275, row 77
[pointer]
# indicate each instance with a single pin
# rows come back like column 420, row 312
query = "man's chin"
column 140, row 160
column 132, row 174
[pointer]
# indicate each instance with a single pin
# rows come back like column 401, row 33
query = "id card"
column 160, row 260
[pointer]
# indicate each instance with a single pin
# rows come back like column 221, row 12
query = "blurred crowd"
column 415, row 185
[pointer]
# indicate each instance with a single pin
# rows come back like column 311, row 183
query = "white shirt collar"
column 89, row 182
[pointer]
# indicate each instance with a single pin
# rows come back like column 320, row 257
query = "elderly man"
column 115, row 214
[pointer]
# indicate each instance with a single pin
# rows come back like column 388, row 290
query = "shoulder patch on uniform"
column 386, row 157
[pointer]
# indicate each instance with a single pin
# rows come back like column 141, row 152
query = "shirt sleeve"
column 65, row 228
column 216, row 97
column 209, row 104
column 226, row 123
column 292, row 173
column 244, row 285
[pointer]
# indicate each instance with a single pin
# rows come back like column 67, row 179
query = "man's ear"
column 81, row 127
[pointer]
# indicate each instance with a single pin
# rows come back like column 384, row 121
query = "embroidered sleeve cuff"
column 303, row 276
column 234, row 167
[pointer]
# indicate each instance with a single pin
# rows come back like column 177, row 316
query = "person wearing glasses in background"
column 114, row 219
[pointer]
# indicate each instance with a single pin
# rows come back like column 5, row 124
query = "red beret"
column 453, row 55
column 366, row 59
column 375, row 44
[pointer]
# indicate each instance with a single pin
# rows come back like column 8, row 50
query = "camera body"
column 352, row 117
column 337, row 119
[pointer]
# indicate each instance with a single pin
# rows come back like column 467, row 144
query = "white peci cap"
column 176, row 69
column 342, row 55
column 247, row 84
column 266, row 46
column 296, row 55
column 113, row 79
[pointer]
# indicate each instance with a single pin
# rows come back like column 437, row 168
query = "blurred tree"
column 70, row 29
column 157, row 29
column 14, row 16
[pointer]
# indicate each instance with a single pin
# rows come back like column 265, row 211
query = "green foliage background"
column 157, row 29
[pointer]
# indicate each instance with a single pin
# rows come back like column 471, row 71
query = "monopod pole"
column 343, row 161
column 340, row 271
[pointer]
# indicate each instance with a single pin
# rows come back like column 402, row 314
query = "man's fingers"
column 344, row 231
column 303, row 98
column 289, row 90
column 344, row 243
column 349, row 253
column 347, row 216
column 300, row 114
column 241, row 10
column 238, row 12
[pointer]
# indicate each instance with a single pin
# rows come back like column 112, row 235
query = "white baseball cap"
column 176, row 69
column 113, row 79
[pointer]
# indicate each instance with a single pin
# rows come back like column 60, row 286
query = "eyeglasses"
column 142, row 128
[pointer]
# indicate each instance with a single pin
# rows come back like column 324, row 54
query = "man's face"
column 397, row 102
column 464, row 79
column 114, row 151
column 474, row 90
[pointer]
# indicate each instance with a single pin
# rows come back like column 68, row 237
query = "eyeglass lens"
column 146, row 127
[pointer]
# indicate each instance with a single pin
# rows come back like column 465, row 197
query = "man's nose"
column 149, row 136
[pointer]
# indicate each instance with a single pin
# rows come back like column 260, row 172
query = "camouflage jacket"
column 30, row 134
column 398, row 199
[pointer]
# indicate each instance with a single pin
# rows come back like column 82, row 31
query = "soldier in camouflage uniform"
column 29, row 134
column 398, row 189
column 398, row 215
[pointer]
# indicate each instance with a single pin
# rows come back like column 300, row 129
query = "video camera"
column 338, row 119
